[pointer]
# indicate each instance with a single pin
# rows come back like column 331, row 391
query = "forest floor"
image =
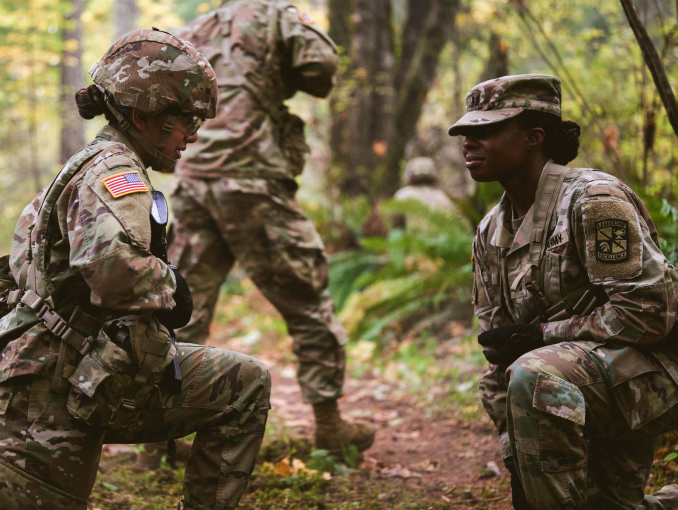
column 435, row 448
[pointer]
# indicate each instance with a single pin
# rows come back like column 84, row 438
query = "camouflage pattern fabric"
column 48, row 459
column 502, row 98
column 235, row 192
column 272, row 51
column 162, row 73
column 96, row 253
column 582, row 415
column 280, row 250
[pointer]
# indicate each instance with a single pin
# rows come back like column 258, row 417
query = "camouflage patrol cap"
column 154, row 71
column 503, row 98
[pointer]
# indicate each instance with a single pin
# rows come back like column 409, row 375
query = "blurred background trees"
column 405, row 68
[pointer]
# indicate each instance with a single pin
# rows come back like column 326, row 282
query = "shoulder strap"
column 547, row 194
column 34, row 267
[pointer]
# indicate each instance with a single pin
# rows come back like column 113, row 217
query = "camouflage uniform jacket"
column 599, row 232
column 262, row 52
column 96, row 251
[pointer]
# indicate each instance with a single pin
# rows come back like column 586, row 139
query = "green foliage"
column 665, row 217
column 406, row 280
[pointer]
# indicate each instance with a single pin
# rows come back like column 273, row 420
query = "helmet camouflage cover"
column 420, row 169
column 154, row 71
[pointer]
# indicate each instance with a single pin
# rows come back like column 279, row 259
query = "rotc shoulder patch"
column 124, row 184
column 612, row 240
column 614, row 244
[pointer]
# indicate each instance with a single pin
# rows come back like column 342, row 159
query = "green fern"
column 411, row 278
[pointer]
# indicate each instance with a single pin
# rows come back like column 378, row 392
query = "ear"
column 535, row 137
column 140, row 121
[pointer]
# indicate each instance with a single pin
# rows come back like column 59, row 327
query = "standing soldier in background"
column 235, row 195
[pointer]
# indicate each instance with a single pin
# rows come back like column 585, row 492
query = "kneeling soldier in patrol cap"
column 576, row 303
column 89, row 356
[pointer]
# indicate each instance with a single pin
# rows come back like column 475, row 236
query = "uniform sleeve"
column 109, row 237
column 311, row 54
column 615, row 240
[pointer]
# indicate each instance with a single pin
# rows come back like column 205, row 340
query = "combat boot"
column 332, row 431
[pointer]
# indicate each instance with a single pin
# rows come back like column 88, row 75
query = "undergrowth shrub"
column 412, row 279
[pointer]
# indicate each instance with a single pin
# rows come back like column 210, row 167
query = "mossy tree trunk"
column 382, row 91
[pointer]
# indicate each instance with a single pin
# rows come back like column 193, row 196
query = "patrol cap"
column 502, row 98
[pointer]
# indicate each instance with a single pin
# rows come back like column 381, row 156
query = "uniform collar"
column 503, row 238
column 111, row 134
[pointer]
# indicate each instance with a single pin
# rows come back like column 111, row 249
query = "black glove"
column 508, row 343
column 178, row 316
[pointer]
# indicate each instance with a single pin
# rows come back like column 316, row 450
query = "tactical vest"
column 214, row 31
column 125, row 357
column 581, row 301
column 213, row 35
column 34, row 287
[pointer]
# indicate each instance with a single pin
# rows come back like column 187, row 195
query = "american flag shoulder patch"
column 124, row 184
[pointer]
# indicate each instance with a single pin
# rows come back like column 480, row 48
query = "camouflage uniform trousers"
column 571, row 442
column 49, row 460
column 281, row 252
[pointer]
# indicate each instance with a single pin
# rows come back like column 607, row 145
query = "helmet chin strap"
column 159, row 160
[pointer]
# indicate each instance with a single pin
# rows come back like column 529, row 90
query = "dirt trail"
column 444, row 457
column 449, row 462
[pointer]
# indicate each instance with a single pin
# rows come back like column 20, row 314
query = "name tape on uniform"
column 124, row 184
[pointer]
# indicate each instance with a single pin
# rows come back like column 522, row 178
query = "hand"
column 178, row 316
column 507, row 343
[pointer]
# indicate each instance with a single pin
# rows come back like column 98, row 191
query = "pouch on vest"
column 114, row 380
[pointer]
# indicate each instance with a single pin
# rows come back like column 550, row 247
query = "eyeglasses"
column 192, row 122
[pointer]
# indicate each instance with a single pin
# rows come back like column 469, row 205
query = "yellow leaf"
column 299, row 467
column 282, row 468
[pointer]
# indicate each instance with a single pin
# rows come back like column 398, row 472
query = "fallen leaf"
column 426, row 465
column 397, row 471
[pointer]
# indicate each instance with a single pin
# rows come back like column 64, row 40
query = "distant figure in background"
column 235, row 195
column 421, row 184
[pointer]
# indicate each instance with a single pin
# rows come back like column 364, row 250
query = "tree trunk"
column 72, row 128
column 497, row 64
column 428, row 28
column 340, row 32
column 125, row 17
column 370, row 120
column 654, row 63
column 380, row 100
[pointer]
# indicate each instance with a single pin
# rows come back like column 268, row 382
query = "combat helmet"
column 153, row 71
column 420, row 170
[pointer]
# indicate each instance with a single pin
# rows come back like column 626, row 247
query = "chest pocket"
column 519, row 275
